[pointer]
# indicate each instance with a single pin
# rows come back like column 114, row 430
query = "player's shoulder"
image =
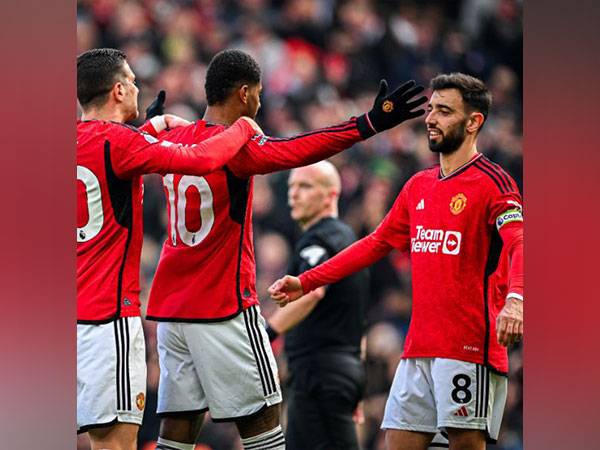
column 493, row 176
column 195, row 131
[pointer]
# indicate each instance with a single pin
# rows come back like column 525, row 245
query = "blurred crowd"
column 322, row 61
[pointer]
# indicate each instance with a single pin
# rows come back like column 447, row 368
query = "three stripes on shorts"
column 260, row 354
column 122, row 347
column 483, row 391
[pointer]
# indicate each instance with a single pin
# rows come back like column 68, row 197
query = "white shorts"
column 226, row 367
column 431, row 394
column 111, row 373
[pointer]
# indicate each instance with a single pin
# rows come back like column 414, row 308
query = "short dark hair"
column 228, row 71
column 474, row 93
column 97, row 71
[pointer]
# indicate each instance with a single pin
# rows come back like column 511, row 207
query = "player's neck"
column 452, row 161
column 108, row 114
column 220, row 115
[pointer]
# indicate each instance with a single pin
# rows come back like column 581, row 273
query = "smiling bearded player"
column 462, row 223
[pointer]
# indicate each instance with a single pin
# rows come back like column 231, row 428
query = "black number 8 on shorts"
column 461, row 393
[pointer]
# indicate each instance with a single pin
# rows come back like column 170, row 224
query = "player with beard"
column 462, row 223
column 111, row 158
column 214, row 352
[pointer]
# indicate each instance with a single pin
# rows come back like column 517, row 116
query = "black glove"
column 157, row 107
column 391, row 110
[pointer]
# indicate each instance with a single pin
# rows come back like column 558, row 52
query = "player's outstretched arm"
column 509, row 323
column 266, row 154
column 138, row 153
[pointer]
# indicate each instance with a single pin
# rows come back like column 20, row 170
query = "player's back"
column 109, row 227
column 206, row 270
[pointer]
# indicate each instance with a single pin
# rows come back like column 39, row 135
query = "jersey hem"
column 488, row 364
column 194, row 320
column 107, row 320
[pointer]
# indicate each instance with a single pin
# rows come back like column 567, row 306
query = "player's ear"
column 475, row 122
column 118, row 91
column 243, row 93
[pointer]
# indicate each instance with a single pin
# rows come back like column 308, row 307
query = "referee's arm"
column 292, row 314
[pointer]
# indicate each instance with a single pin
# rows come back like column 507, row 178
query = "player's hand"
column 392, row 109
column 509, row 323
column 157, row 107
column 174, row 121
column 285, row 290
column 253, row 124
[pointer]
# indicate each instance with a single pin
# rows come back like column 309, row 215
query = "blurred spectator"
column 321, row 62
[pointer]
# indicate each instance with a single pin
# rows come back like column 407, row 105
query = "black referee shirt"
column 337, row 322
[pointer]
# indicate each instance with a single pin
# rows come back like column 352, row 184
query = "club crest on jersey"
column 140, row 401
column 458, row 204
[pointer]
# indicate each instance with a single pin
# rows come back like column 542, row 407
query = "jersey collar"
column 461, row 169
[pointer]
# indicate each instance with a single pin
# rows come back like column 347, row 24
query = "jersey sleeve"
column 137, row 153
column 392, row 232
column 264, row 154
column 506, row 214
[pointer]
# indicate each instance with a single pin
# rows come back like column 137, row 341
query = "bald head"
column 323, row 173
column 313, row 192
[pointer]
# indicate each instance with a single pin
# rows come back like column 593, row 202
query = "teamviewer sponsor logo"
column 433, row 241
column 451, row 244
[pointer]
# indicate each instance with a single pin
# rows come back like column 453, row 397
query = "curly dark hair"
column 474, row 93
column 97, row 71
column 228, row 71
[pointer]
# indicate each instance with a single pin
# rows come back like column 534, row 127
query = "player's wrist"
column 365, row 126
column 159, row 123
column 514, row 296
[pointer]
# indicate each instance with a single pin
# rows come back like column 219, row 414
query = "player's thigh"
column 469, row 396
column 181, row 427
column 407, row 440
column 120, row 436
column 111, row 373
column 461, row 439
column 411, row 405
column 180, row 391
column 235, row 364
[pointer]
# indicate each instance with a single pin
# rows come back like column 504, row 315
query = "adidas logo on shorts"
column 462, row 412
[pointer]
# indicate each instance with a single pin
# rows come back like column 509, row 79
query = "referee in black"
column 323, row 328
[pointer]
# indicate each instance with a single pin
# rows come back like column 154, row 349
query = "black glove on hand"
column 391, row 110
column 157, row 107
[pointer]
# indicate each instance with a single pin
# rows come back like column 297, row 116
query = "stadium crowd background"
column 322, row 61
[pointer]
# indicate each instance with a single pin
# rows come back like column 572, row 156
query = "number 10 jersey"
column 206, row 270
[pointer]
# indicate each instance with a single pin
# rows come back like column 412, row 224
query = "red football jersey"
column 454, row 228
column 111, row 157
column 206, row 270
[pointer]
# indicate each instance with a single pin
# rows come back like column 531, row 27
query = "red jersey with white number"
column 206, row 270
column 111, row 157
column 456, row 228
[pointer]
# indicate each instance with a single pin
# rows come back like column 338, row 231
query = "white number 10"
column 177, row 221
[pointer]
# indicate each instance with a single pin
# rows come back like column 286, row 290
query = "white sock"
column 269, row 440
column 165, row 444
